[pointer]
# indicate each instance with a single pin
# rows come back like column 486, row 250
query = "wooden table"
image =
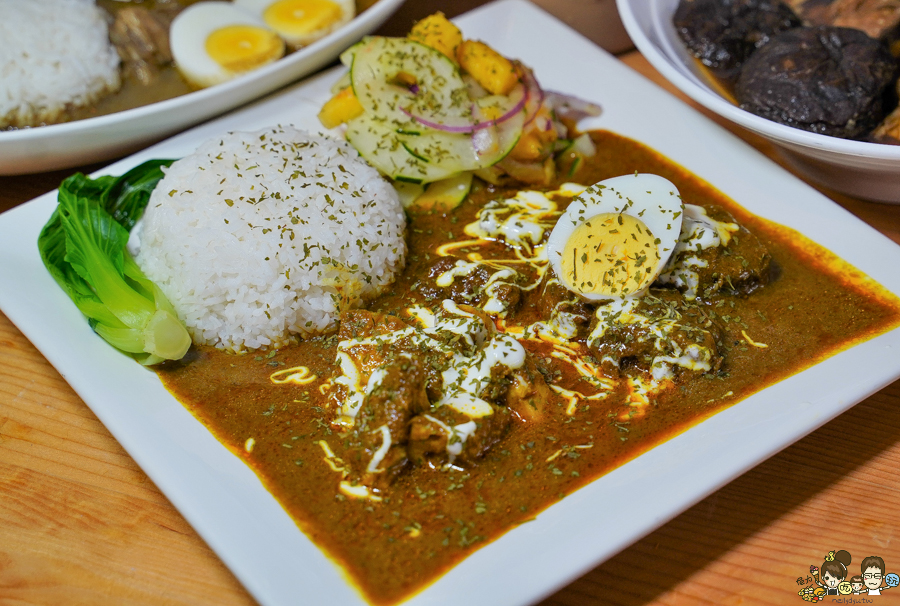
column 80, row 523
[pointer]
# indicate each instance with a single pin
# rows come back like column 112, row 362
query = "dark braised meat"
column 384, row 418
column 738, row 266
column 659, row 333
column 362, row 323
column 528, row 393
column 434, row 436
column 477, row 284
column 563, row 309
column 436, row 393
column 724, row 33
column 826, row 80
column 395, row 400
column 556, row 298
column 141, row 38
column 878, row 18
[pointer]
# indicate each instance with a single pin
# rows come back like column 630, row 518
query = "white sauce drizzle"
column 382, row 451
column 521, row 221
column 467, row 377
column 456, row 435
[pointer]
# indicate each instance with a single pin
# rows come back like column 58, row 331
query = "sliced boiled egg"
column 614, row 239
column 213, row 42
column 301, row 22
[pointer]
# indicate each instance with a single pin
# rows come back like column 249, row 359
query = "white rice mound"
column 259, row 236
column 54, row 55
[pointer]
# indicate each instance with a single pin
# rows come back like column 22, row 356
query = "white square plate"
column 228, row 506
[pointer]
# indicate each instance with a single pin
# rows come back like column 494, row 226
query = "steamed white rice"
column 54, row 54
column 259, row 236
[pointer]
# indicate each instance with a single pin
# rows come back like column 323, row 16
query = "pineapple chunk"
column 536, row 143
column 490, row 69
column 437, row 32
column 529, row 148
column 340, row 108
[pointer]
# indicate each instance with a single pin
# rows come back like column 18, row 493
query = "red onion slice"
column 465, row 128
column 571, row 107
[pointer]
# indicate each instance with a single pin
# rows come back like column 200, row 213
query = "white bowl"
column 865, row 170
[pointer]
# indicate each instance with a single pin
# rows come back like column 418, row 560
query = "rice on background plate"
column 54, row 55
column 259, row 236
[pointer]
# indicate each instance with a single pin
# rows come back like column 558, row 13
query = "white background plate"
column 81, row 142
column 231, row 510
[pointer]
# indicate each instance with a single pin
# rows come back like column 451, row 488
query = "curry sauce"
column 277, row 411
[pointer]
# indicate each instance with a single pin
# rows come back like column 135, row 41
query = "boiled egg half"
column 301, row 22
column 614, row 238
column 213, row 42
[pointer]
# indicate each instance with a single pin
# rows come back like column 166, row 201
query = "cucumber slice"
column 379, row 143
column 495, row 143
column 342, row 83
column 404, row 149
column 347, row 56
column 570, row 157
column 469, row 151
column 407, row 152
column 446, row 194
column 493, row 107
column 408, row 192
column 381, row 73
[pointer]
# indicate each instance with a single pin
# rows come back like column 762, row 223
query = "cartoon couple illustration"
column 872, row 579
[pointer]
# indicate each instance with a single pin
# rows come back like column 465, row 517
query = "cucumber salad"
column 432, row 110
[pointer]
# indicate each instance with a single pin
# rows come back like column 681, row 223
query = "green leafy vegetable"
column 83, row 248
column 127, row 196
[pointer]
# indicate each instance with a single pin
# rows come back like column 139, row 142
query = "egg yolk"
column 610, row 254
column 241, row 48
column 297, row 17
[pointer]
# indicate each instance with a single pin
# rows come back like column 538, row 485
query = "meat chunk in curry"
column 437, row 389
column 714, row 254
column 494, row 289
column 661, row 336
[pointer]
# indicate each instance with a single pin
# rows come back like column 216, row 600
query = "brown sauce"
column 431, row 519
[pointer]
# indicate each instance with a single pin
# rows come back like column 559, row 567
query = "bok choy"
column 83, row 248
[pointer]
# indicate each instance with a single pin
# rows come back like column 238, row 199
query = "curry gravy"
column 430, row 519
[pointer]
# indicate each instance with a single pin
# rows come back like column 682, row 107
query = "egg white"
column 189, row 32
column 650, row 199
column 296, row 40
